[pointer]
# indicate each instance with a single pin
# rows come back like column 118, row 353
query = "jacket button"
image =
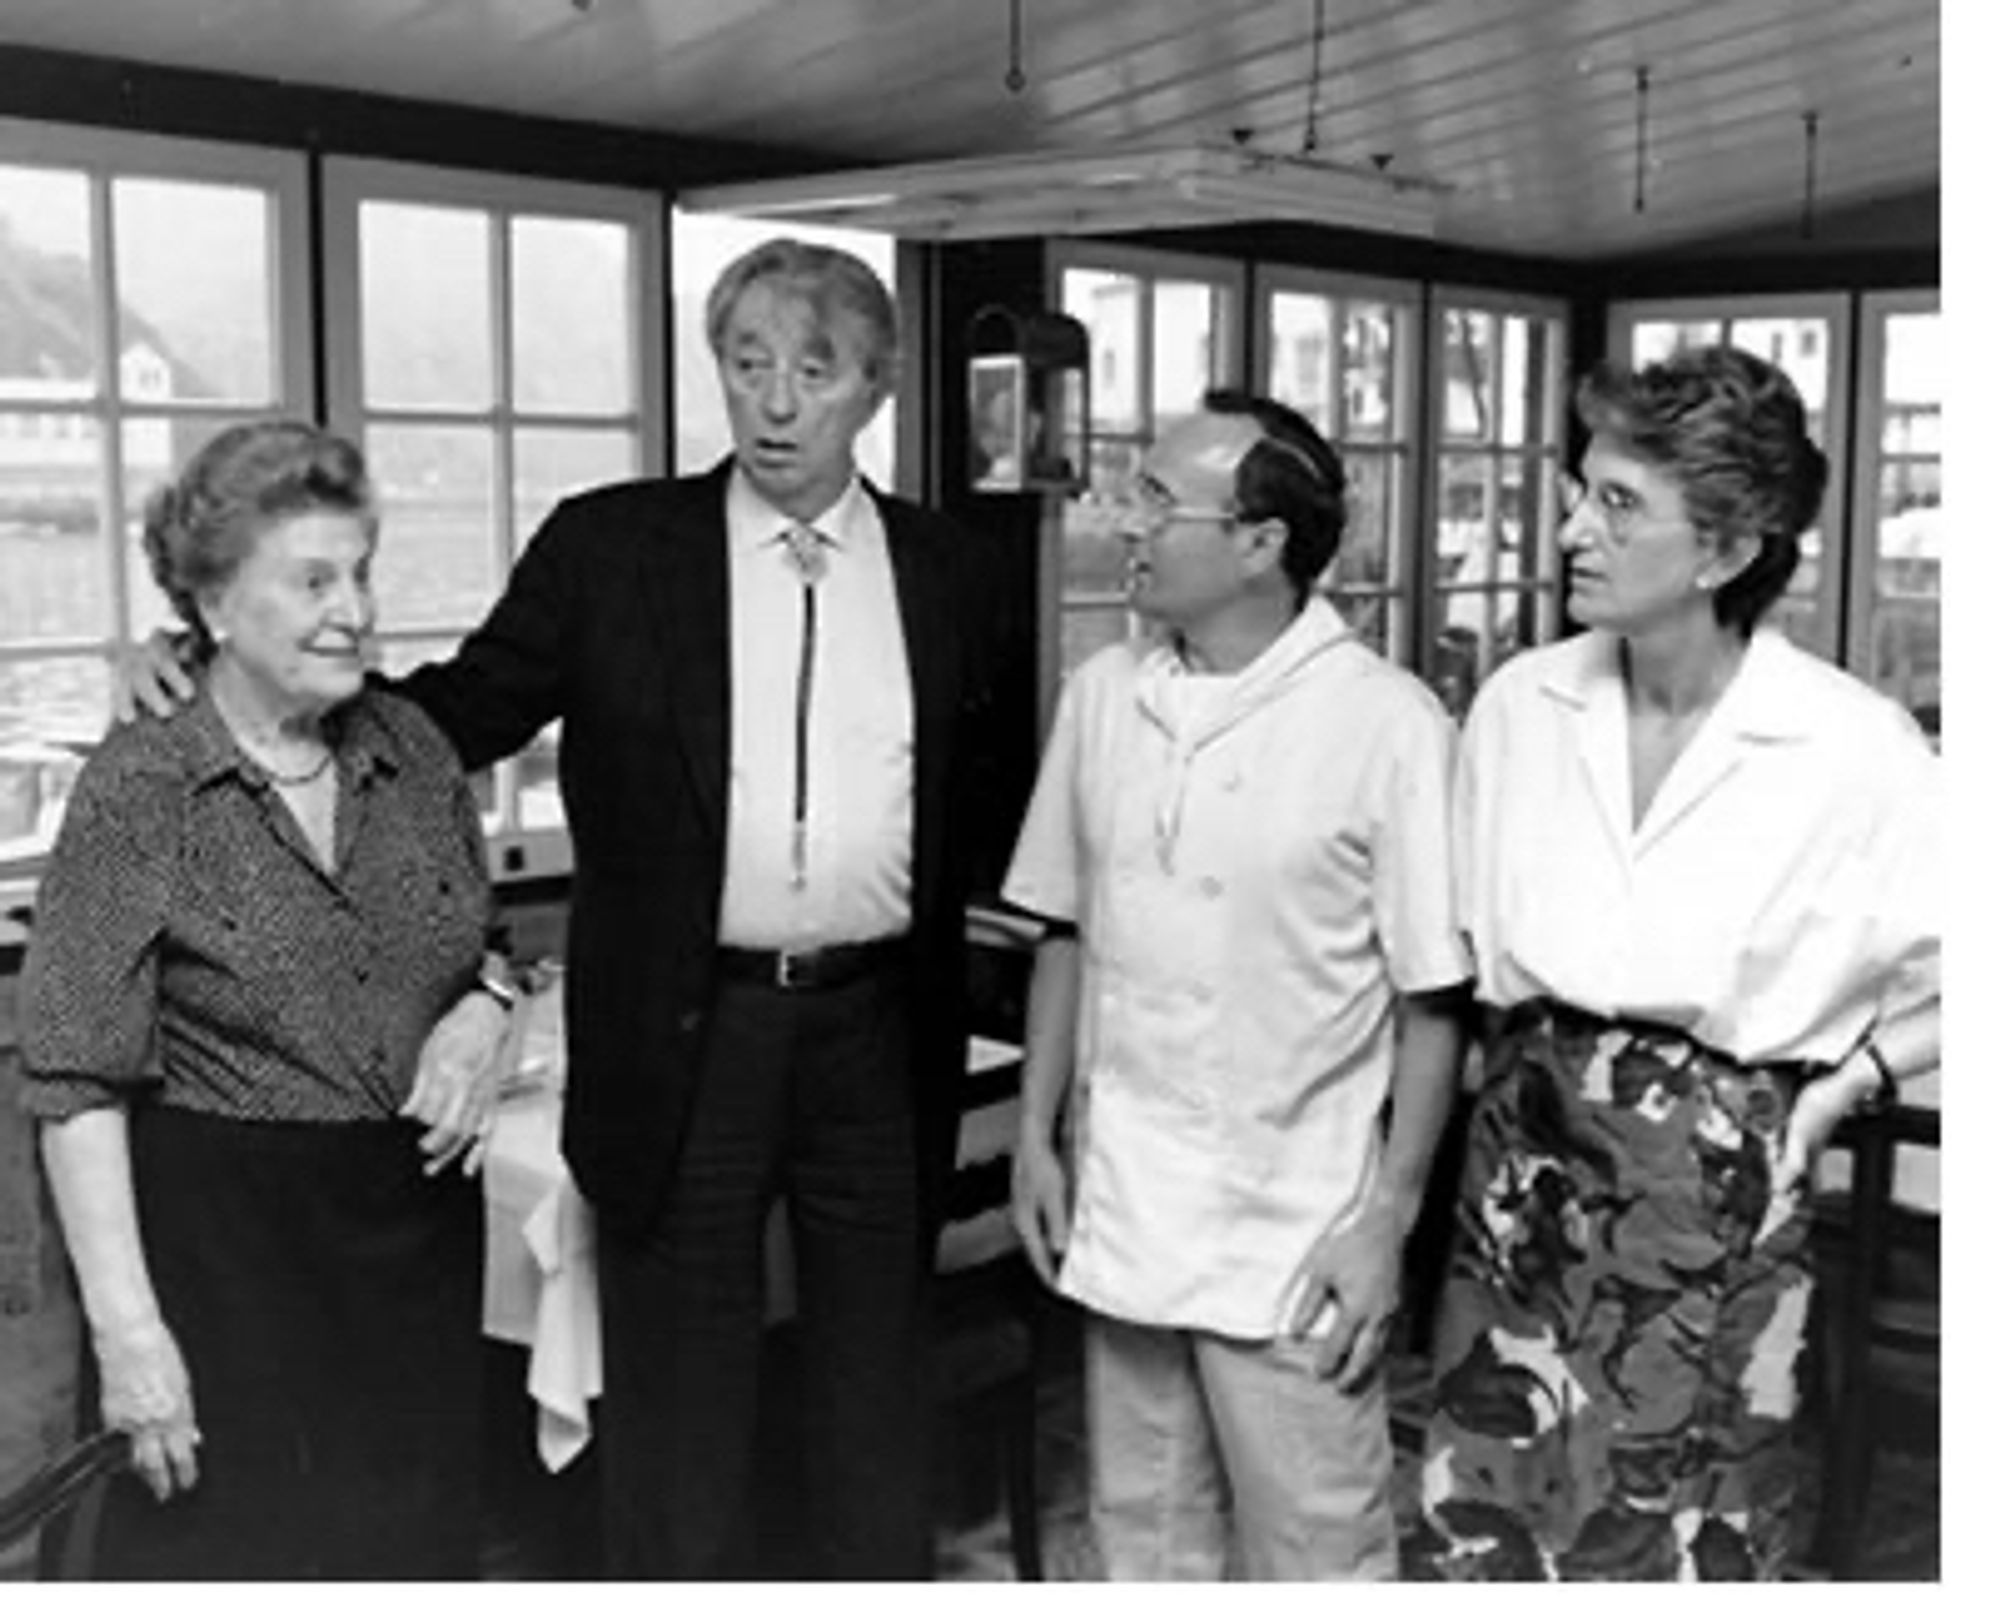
column 689, row 1020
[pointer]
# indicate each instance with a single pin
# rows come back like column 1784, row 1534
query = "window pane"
column 549, row 463
column 426, row 306
column 1366, row 555
column 54, row 577
column 1913, row 384
column 436, row 562
column 572, row 316
column 1368, row 376
column 196, row 303
column 1085, row 632
column 48, row 343
column 1798, row 347
column 1465, row 520
column 52, row 712
column 1519, row 352
column 1093, row 561
column 1653, row 341
column 1107, row 303
column 1302, row 333
column 1185, row 349
column 1511, row 553
column 1909, row 573
column 1468, row 364
column 155, row 448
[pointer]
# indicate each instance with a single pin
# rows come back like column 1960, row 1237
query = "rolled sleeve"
column 1415, row 913
column 89, row 986
column 1045, row 877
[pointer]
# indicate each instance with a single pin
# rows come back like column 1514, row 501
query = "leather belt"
column 809, row 969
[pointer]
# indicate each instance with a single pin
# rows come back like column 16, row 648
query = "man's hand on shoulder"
column 156, row 675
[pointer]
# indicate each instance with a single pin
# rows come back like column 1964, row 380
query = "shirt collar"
column 755, row 523
column 1764, row 702
column 361, row 743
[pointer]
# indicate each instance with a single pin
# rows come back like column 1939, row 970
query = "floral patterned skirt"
column 1619, row 1332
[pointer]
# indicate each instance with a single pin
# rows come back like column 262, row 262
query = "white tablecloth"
column 541, row 1263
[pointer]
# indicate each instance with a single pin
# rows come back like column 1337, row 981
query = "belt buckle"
column 792, row 966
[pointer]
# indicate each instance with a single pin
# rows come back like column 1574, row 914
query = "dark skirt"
column 1619, row 1331
column 326, row 1296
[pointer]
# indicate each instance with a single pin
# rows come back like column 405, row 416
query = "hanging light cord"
column 1017, row 80
column 1644, row 84
column 1812, row 174
column 1310, row 142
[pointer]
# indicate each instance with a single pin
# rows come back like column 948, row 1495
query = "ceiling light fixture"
column 1016, row 79
column 1120, row 188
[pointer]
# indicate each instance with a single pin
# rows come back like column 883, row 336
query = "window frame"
column 1542, row 589
column 1405, row 446
column 1863, row 541
column 105, row 156
column 515, row 848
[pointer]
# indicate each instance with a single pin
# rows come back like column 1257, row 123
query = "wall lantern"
column 1028, row 402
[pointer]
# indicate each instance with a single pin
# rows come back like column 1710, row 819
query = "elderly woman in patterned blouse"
column 254, row 917
column 1699, row 871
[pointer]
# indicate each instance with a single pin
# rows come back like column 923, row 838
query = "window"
column 1498, row 391
column 704, row 244
column 1343, row 353
column 1898, row 536
column 1805, row 336
column 493, row 343
column 152, row 292
column 1162, row 331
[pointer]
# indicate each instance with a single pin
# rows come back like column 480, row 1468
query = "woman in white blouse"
column 1698, row 872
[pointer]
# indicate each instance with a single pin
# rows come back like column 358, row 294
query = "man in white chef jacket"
column 1239, row 844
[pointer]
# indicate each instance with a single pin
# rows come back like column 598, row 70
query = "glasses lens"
column 1569, row 493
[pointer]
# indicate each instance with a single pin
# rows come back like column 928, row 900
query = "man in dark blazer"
column 770, row 680
column 766, row 938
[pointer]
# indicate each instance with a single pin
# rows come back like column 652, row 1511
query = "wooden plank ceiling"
column 1525, row 112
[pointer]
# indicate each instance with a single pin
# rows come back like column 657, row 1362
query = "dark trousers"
column 325, row 1295
column 805, row 1094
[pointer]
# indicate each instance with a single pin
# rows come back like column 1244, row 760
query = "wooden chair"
column 60, row 1503
column 1859, row 1318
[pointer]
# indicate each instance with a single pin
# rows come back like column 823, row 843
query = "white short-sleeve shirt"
column 1779, row 895
column 1257, row 865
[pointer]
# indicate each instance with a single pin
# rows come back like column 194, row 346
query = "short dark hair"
column 826, row 279
column 1730, row 429
column 1291, row 475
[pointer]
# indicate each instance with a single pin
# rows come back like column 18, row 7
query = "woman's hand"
column 458, row 1080
column 1821, row 1105
column 147, row 1394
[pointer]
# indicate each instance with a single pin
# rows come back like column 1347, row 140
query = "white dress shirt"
column 1257, row 865
column 1780, row 893
column 856, row 882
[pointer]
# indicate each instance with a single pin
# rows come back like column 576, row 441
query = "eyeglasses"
column 1148, row 501
column 1617, row 504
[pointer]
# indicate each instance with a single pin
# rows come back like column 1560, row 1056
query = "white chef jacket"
column 1781, row 893
column 1256, row 869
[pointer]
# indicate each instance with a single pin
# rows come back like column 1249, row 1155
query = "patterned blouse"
column 187, row 944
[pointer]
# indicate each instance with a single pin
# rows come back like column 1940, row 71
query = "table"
column 541, row 1266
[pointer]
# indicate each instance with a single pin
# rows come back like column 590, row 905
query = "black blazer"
column 616, row 619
